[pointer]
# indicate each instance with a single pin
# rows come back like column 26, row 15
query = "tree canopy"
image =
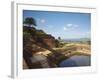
column 59, row 38
column 30, row 21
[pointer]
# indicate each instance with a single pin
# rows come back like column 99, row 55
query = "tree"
column 59, row 38
column 30, row 21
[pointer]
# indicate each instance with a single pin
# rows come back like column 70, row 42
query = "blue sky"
column 67, row 25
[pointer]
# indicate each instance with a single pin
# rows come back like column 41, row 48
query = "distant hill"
column 76, row 40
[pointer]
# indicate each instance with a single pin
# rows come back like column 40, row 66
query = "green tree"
column 59, row 38
column 30, row 21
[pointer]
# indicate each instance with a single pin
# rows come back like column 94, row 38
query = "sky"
column 67, row 25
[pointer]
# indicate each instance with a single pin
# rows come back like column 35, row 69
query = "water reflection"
column 76, row 60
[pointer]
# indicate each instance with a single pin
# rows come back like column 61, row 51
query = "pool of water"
column 76, row 60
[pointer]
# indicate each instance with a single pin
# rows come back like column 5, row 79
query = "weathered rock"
column 35, row 41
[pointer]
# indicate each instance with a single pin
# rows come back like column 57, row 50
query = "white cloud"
column 65, row 29
column 70, row 27
column 42, row 20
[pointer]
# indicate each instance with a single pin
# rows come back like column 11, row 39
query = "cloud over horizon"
column 70, row 27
